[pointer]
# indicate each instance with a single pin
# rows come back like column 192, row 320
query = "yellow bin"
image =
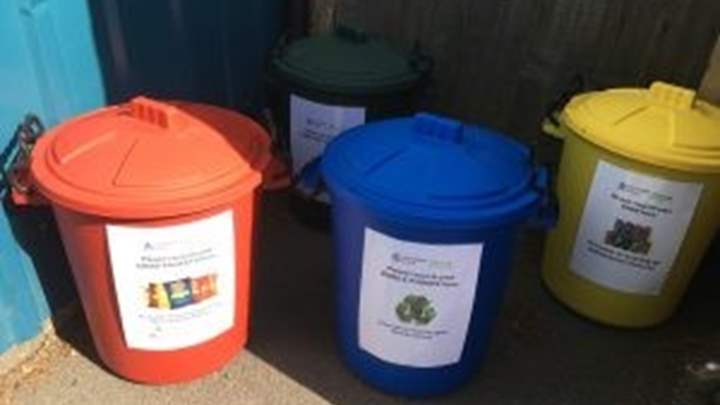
column 639, row 192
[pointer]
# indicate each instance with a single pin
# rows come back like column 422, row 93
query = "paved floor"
column 541, row 353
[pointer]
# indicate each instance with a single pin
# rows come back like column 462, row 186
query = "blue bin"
column 425, row 213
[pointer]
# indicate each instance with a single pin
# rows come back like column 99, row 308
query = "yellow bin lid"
column 664, row 125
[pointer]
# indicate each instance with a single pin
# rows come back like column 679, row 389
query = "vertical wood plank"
column 710, row 88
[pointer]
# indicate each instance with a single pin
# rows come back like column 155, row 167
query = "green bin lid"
column 349, row 62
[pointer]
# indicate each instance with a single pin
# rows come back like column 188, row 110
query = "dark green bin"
column 330, row 77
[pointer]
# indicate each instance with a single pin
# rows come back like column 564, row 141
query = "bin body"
column 86, row 245
column 633, row 227
column 422, row 264
column 350, row 220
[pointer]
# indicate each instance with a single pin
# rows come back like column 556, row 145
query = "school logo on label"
column 407, row 260
column 638, row 191
column 412, row 261
column 148, row 246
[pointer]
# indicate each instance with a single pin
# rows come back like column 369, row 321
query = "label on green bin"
column 313, row 125
column 416, row 299
column 631, row 229
column 175, row 285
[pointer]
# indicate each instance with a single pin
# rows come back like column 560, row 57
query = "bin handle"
column 18, row 178
column 276, row 175
column 351, row 34
column 551, row 127
column 547, row 214
column 421, row 62
column 310, row 181
column 551, row 124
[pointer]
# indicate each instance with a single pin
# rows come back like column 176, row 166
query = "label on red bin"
column 631, row 229
column 416, row 299
column 175, row 285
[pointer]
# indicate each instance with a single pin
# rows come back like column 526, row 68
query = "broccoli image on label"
column 404, row 311
column 415, row 308
column 426, row 316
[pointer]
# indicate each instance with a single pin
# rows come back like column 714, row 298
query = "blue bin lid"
column 434, row 168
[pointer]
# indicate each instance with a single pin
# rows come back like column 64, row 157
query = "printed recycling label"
column 631, row 229
column 416, row 299
column 175, row 285
column 313, row 125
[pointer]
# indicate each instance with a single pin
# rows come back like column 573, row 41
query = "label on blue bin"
column 175, row 285
column 416, row 299
column 631, row 229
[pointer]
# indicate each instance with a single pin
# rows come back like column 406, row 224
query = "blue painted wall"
column 49, row 66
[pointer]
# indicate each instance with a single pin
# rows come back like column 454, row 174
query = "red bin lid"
column 151, row 159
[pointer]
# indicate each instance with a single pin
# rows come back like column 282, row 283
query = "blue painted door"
column 210, row 51
column 48, row 66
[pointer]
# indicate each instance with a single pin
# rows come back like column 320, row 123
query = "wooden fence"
column 501, row 62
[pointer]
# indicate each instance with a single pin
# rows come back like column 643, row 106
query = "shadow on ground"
column 35, row 232
column 541, row 352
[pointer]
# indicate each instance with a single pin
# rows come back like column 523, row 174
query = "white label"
column 314, row 125
column 416, row 299
column 631, row 229
column 175, row 285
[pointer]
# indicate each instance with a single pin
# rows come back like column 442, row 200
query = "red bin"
column 157, row 207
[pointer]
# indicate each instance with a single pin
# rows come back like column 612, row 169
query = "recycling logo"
column 415, row 308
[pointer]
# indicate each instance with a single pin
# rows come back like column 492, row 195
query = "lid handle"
column 156, row 113
column 351, row 34
column 673, row 96
column 433, row 126
column 547, row 214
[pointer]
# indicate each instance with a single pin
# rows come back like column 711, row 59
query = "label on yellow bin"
column 631, row 229
column 416, row 299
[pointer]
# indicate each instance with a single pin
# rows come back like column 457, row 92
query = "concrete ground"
column 541, row 352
